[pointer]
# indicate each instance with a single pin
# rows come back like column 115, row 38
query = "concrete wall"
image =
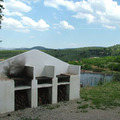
column 42, row 59
column 6, row 96
column 38, row 60
column 74, row 69
column 74, row 87
column 37, row 64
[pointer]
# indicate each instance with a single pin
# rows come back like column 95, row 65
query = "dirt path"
column 62, row 111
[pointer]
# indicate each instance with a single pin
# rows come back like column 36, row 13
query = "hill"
column 36, row 47
column 86, row 52
column 76, row 54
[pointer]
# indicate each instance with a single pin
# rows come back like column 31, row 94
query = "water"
column 93, row 79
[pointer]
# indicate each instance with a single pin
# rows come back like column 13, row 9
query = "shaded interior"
column 44, row 95
column 22, row 99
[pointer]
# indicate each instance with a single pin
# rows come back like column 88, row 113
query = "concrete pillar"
column 6, row 96
column 74, row 87
column 54, row 90
column 49, row 71
column 34, row 93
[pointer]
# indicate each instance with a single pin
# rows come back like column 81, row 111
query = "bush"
column 114, row 66
column 116, row 77
column 87, row 67
column 117, row 59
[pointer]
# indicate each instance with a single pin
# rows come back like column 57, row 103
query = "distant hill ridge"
column 92, row 47
column 35, row 47
column 70, row 54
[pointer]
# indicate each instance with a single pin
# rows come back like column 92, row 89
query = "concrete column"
column 34, row 93
column 49, row 71
column 6, row 96
column 74, row 87
column 54, row 90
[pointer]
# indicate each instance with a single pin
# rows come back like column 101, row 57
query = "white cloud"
column 105, row 12
column 90, row 18
column 70, row 5
column 24, row 25
column 41, row 25
column 65, row 25
column 6, row 12
column 13, row 24
column 15, row 5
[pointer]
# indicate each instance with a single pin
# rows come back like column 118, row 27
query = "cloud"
column 105, row 12
column 70, row 5
column 24, row 25
column 90, row 18
column 41, row 25
column 14, row 5
column 65, row 25
column 13, row 24
column 6, row 12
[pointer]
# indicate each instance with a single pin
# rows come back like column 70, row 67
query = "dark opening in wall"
column 44, row 95
column 24, row 79
column 44, row 80
column 63, row 78
column 22, row 99
column 63, row 93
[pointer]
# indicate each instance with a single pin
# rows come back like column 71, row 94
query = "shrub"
column 116, row 77
column 87, row 67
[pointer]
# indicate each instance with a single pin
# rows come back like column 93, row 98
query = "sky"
column 60, row 23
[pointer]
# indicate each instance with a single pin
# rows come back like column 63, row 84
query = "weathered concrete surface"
column 6, row 96
column 37, row 64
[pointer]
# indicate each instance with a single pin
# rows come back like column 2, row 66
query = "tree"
column 1, row 8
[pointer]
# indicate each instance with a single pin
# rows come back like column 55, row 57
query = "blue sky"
column 60, row 23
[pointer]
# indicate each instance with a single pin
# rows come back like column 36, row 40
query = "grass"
column 100, row 97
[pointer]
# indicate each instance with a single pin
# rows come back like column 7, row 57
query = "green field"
column 100, row 97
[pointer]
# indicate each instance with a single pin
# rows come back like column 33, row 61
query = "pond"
column 93, row 79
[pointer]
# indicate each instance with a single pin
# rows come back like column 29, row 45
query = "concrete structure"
column 34, row 78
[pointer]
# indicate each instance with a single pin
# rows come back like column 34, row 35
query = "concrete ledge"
column 44, row 85
column 22, row 88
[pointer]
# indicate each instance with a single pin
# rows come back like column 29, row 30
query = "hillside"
column 35, row 47
column 86, row 52
column 69, row 54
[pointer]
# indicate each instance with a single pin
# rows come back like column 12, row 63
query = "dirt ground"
column 62, row 111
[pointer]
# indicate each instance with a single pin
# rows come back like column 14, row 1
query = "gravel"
column 62, row 111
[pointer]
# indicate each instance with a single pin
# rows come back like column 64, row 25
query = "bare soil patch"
column 62, row 111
